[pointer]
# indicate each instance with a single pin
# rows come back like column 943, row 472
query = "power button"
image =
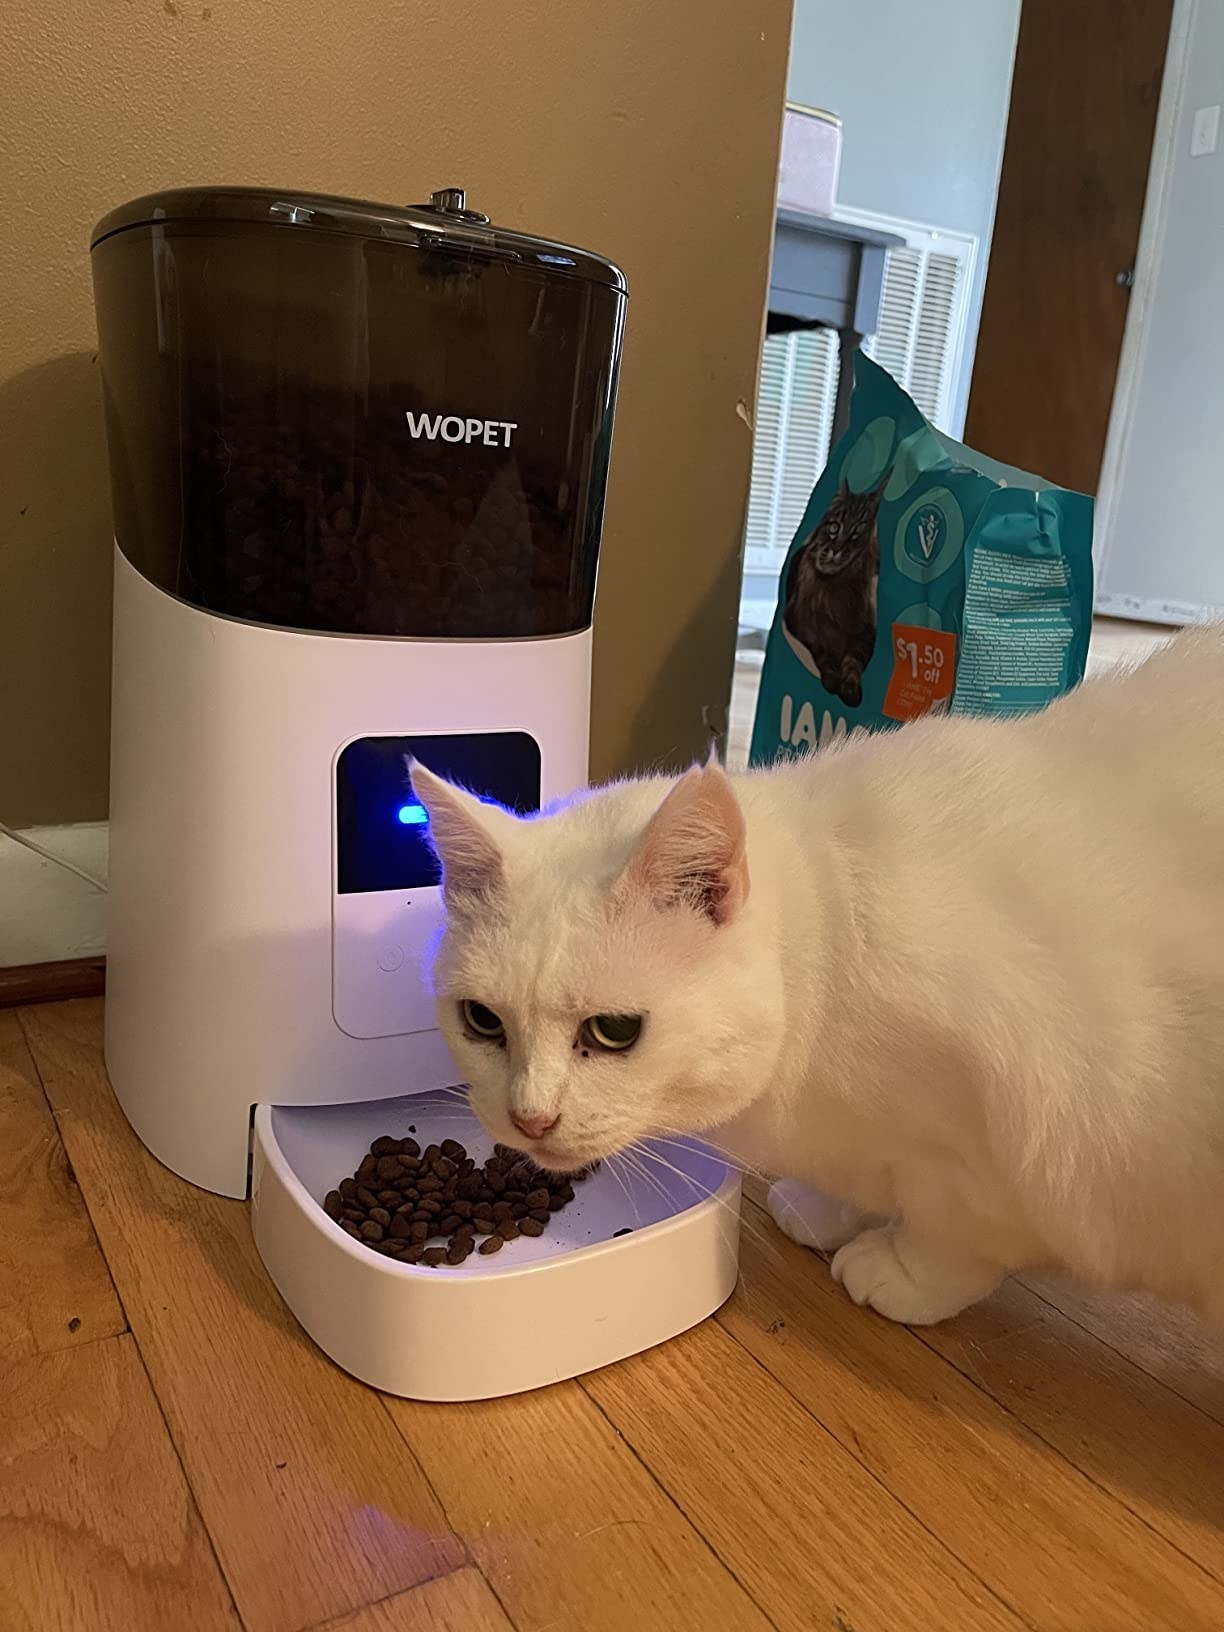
column 390, row 959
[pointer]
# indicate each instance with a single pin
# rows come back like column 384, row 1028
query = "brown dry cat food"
column 429, row 1206
column 294, row 530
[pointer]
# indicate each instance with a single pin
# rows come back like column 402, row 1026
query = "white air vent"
column 922, row 325
column 793, row 425
column 920, row 341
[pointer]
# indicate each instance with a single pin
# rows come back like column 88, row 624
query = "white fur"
column 970, row 980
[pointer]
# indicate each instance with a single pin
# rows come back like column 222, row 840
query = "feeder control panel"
column 387, row 904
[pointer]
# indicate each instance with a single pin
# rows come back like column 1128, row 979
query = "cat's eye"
column 613, row 1032
column 481, row 1021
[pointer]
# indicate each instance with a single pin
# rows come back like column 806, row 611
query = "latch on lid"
column 452, row 201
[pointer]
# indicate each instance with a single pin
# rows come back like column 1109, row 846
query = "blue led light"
column 413, row 815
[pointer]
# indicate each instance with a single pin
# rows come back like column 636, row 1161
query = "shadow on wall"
column 55, row 595
column 686, row 702
column 703, row 648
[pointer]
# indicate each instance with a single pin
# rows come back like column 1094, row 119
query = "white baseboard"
column 46, row 913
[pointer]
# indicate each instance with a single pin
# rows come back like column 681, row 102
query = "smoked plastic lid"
column 444, row 223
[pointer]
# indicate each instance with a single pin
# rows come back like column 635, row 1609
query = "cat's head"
column 599, row 977
column 845, row 530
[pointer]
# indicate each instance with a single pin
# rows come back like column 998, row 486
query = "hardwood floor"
column 175, row 1454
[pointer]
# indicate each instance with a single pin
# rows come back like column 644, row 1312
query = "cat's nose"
column 535, row 1127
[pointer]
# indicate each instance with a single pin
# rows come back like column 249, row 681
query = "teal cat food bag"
column 923, row 577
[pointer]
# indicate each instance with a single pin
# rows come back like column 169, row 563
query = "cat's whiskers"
column 701, row 1191
column 741, row 1221
column 668, row 1135
column 633, row 1162
column 630, row 1198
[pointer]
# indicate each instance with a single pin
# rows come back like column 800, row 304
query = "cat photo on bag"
column 830, row 605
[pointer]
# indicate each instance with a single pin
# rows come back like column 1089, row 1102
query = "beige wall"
column 646, row 129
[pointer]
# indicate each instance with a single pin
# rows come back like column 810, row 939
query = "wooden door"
column 1079, row 137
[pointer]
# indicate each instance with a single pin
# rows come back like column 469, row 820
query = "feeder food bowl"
column 576, row 1298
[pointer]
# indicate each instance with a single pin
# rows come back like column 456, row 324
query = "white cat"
column 967, row 978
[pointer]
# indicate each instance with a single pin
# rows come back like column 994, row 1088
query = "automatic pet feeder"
column 358, row 458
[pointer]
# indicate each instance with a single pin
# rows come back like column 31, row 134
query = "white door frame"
column 1147, row 269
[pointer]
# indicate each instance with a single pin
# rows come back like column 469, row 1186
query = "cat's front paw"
column 810, row 1217
column 907, row 1281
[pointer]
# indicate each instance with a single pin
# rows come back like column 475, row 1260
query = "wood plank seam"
column 393, row 1598
column 93, row 1223
column 402, row 1596
column 722, row 1563
column 1113, row 1348
column 178, row 1457
column 595, row 1525
column 460, row 1601
column 72, row 1174
column 719, row 1563
column 468, row 1561
column 1163, row 1536
column 492, row 1586
column 892, row 1495
column 100, row 1529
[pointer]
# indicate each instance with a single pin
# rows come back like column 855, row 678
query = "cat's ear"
column 466, row 835
column 694, row 850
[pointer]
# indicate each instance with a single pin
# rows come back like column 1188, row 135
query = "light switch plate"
column 1205, row 131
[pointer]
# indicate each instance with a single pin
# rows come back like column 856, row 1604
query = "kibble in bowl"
column 436, row 1206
